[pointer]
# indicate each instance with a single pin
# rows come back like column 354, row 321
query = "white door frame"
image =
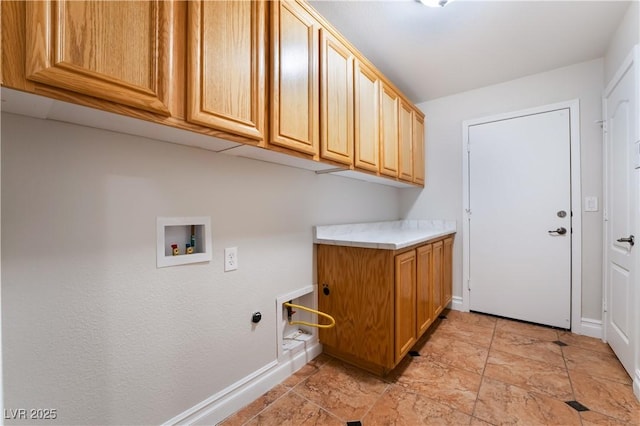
column 632, row 57
column 576, row 206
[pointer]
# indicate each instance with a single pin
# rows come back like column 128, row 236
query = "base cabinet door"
column 116, row 51
column 438, row 296
column 447, row 269
column 226, row 66
column 405, row 303
column 424, row 288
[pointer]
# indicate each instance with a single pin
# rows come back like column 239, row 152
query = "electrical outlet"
column 230, row 259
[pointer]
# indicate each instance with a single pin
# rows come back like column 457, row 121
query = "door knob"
column 559, row 231
column 631, row 240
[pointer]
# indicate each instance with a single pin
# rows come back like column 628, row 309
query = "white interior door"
column 620, row 133
column 520, row 218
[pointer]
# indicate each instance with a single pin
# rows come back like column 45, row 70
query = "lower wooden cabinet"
column 383, row 301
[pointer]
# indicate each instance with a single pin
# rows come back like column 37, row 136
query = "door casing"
column 576, row 207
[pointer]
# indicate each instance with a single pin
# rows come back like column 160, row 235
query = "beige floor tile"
column 593, row 418
column 529, row 330
column 309, row 369
column 528, row 347
column 471, row 318
column 501, row 404
column 584, row 342
column 448, row 385
column 527, row 379
column 597, row 364
column 293, row 410
column 397, row 406
column 529, row 374
column 343, row 390
column 607, row 397
column 242, row 416
column 472, row 333
column 456, row 353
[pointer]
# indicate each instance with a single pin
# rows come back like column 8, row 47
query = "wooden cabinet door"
column 336, row 100
column 418, row 148
column 367, row 118
column 405, row 153
column 447, row 270
column 359, row 295
column 117, row 51
column 405, row 303
column 294, row 85
column 424, row 288
column 388, row 131
column 438, row 297
column 226, row 66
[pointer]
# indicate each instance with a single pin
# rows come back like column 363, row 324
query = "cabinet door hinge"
column 469, row 284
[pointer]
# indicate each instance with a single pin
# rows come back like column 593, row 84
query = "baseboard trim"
column 590, row 327
column 636, row 385
column 456, row 303
column 226, row 402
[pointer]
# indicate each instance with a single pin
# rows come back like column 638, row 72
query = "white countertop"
column 391, row 235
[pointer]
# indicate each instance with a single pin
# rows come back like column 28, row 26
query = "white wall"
column 626, row 36
column 442, row 196
column 90, row 326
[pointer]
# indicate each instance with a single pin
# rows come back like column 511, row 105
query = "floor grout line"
column 376, row 401
column 484, row 369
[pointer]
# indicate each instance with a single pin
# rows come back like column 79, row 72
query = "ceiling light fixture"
column 435, row 3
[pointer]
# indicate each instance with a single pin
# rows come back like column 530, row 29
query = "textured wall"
column 627, row 35
column 442, row 197
column 90, row 326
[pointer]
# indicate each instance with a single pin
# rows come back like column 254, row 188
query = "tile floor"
column 472, row 369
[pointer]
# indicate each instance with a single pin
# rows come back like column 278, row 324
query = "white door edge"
column 632, row 57
column 626, row 64
column 576, row 206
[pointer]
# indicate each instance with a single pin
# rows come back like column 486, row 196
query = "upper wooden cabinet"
column 336, row 100
column 117, row 51
column 367, row 118
column 405, row 147
column 226, row 66
column 294, row 77
column 389, row 131
column 274, row 74
column 418, row 148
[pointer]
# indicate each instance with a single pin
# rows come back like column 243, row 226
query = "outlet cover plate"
column 230, row 259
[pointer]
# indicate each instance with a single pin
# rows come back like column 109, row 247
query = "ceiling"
column 433, row 52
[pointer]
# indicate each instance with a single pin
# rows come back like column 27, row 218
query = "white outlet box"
column 230, row 259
